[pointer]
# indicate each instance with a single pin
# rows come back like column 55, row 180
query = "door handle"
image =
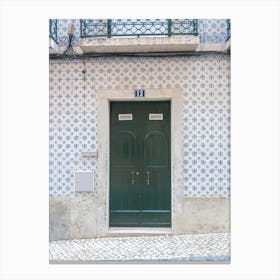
column 133, row 177
column 148, row 177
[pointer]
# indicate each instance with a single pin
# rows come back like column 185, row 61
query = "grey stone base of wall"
column 79, row 217
column 206, row 215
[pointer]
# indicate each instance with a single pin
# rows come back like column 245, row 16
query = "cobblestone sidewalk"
column 184, row 248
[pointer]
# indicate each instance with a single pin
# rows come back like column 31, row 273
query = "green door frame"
column 153, row 198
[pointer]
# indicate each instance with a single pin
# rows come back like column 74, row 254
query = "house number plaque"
column 139, row 93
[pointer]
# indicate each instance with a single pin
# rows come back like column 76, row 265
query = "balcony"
column 137, row 28
column 53, row 42
column 138, row 35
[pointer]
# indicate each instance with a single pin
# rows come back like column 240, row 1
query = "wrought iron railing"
column 53, row 29
column 137, row 27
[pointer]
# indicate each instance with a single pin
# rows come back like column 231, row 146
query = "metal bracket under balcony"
column 53, row 43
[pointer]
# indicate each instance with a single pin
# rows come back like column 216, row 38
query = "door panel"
column 154, row 145
column 140, row 184
column 125, row 147
column 156, row 190
column 124, row 157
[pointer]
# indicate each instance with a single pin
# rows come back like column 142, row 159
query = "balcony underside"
column 139, row 45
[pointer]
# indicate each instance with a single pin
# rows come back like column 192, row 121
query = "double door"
column 140, row 175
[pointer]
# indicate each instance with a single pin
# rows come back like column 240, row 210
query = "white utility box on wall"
column 84, row 181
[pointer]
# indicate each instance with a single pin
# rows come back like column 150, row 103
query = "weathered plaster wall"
column 206, row 215
column 78, row 217
column 59, row 218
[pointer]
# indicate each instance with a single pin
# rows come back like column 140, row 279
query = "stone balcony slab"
column 139, row 45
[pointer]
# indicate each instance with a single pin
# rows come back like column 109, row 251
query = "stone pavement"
column 180, row 248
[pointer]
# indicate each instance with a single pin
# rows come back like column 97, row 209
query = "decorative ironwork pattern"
column 53, row 29
column 184, row 26
column 93, row 28
column 209, row 30
column 138, row 27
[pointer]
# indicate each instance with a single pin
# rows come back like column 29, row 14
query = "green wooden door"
column 140, row 177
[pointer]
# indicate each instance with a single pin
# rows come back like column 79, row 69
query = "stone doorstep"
column 138, row 231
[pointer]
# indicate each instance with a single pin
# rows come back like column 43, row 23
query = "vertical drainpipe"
column 81, row 29
column 228, row 29
column 169, row 27
column 50, row 28
column 109, row 26
column 196, row 27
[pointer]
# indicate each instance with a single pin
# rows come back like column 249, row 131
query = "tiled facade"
column 205, row 80
column 212, row 30
column 209, row 30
